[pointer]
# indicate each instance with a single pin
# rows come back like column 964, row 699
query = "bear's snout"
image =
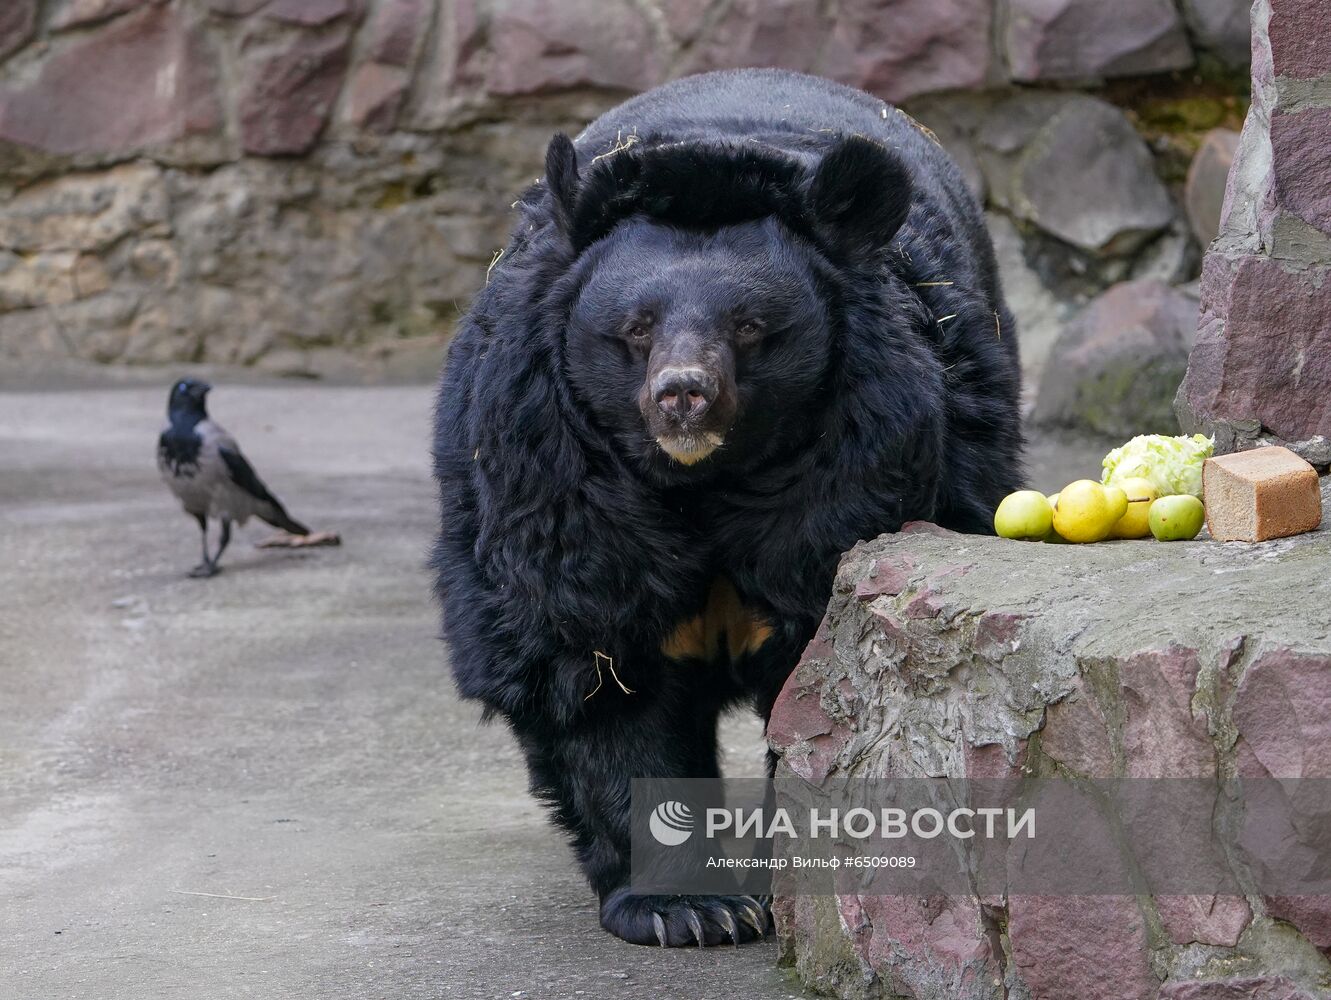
column 688, row 406
column 683, row 395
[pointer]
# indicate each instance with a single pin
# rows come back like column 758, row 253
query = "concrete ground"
column 262, row 785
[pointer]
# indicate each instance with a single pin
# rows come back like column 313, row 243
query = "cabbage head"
column 1173, row 464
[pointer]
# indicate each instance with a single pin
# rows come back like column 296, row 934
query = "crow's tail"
column 279, row 518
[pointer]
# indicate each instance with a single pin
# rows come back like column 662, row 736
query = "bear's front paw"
column 677, row 921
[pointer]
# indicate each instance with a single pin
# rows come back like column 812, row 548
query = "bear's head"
column 708, row 285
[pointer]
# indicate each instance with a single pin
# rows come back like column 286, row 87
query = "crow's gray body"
column 207, row 486
column 203, row 466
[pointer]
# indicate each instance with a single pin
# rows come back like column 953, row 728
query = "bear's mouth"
column 689, row 449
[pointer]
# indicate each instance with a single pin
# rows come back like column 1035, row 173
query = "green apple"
column 1176, row 518
column 1025, row 515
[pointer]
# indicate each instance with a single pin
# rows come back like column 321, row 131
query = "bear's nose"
column 683, row 393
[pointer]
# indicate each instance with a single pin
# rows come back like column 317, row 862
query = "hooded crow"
column 202, row 465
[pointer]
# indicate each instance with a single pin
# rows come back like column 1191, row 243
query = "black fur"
column 884, row 388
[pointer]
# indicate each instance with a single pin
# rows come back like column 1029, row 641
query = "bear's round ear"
column 561, row 174
column 859, row 197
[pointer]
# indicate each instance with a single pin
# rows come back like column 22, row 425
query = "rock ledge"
column 947, row 655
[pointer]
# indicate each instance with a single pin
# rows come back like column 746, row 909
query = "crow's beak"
column 202, row 389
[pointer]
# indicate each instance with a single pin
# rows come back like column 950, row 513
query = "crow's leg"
column 206, row 567
column 222, row 543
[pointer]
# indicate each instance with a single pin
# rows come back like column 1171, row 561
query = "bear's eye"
column 639, row 329
column 749, row 330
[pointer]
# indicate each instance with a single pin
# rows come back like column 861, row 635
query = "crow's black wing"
column 244, row 476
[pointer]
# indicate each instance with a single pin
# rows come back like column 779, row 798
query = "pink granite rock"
column 18, row 21
column 1299, row 141
column 800, row 728
column 1244, row 988
column 1076, row 736
column 1161, row 738
column 924, row 528
column 311, row 13
column 1214, row 920
column 1297, row 33
column 234, row 8
column 77, row 13
column 797, row 717
column 888, row 577
column 289, row 92
column 820, row 646
column 796, row 915
column 810, row 741
column 928, row 603
column 379, row 84
column 998, row 635
column 143, row 80
column 1075, row 39
column 374, row 96
column 990, row 762
column 1246, row 764
column 898, row 49
column 924, row 945
column 1240, row 369
column 888, row 625
column 1088, row 947
column 685, row 20
column 787, row 33
column 1283, row 713
column 895, row 49
column 395, row 29
column 1261, row 369
column 532, row 46
column 1310, row 914
column 1282, row 716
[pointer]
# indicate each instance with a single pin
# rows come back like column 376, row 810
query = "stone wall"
column 317, row 186
column 1261, row 370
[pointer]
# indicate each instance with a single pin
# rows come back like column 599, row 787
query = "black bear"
column 745, row 320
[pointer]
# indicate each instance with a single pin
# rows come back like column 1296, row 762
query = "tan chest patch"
column 724, row 620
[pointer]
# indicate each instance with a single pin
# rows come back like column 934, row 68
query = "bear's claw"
column 695, row 925
column 732, row 928
column 683, row 921
column 755, row 917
